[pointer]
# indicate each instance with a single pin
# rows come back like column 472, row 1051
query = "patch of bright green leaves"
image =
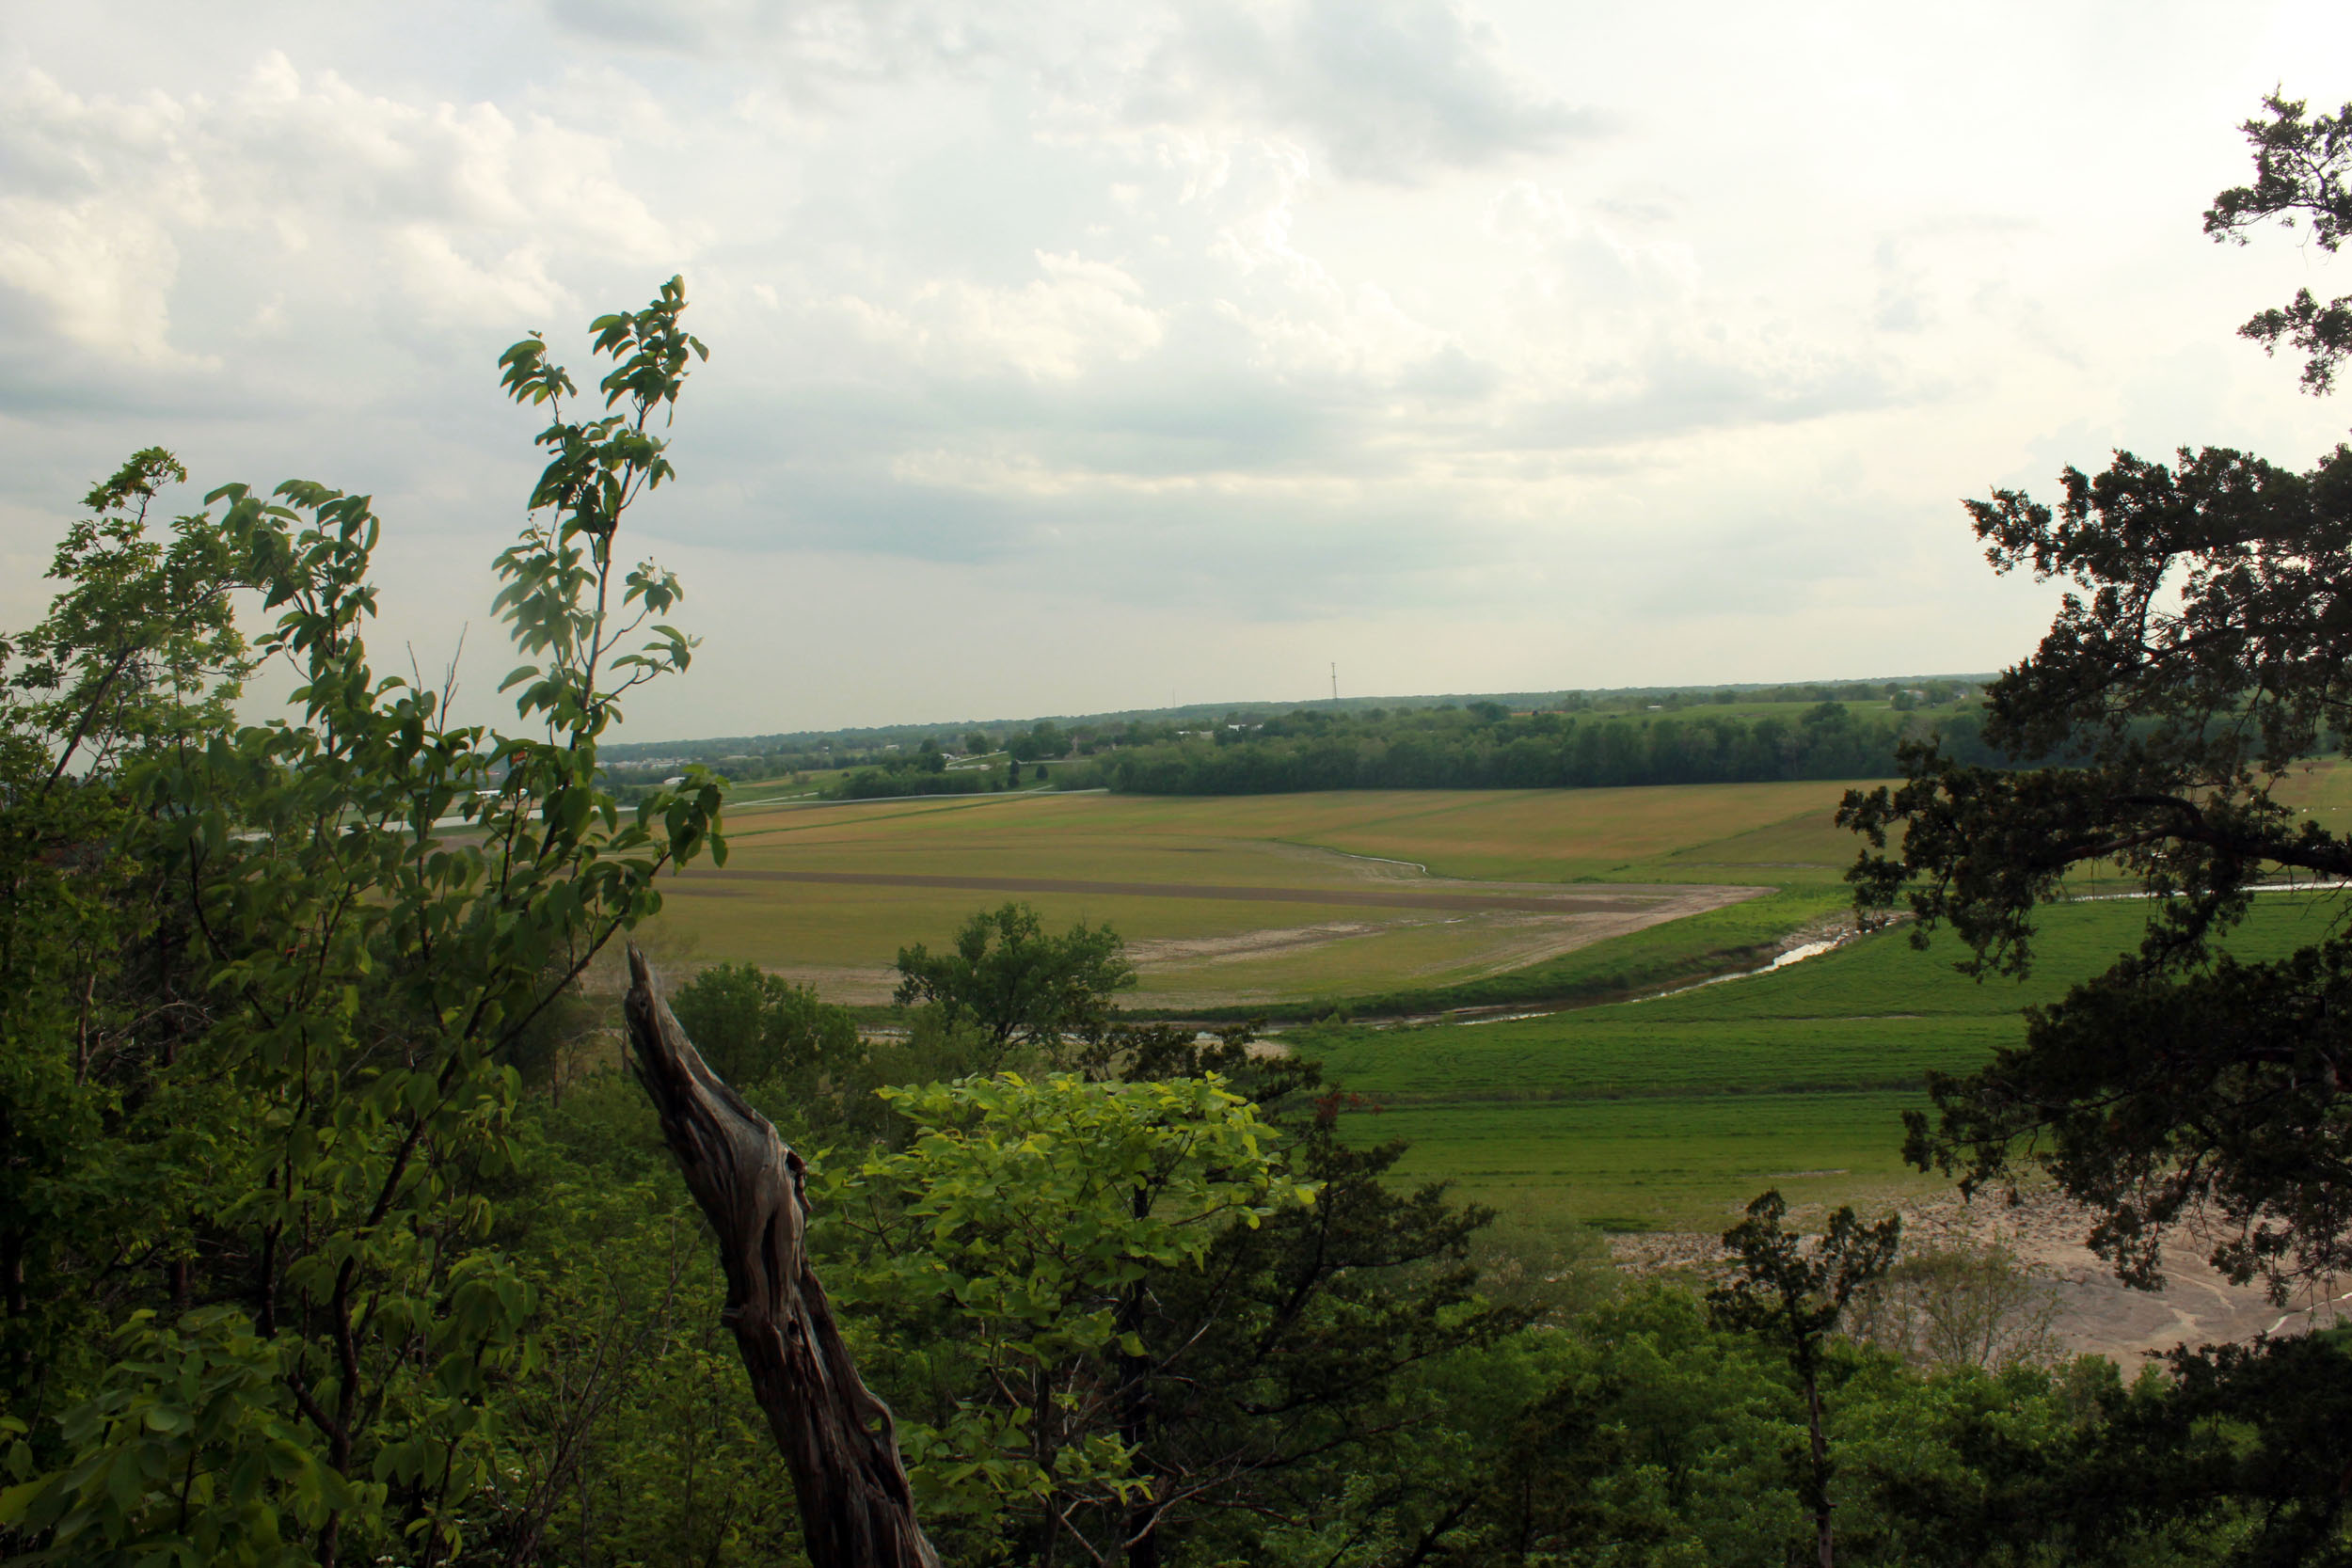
column 1010, row 1240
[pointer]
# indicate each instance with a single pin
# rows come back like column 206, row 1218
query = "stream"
column 1465, row 1018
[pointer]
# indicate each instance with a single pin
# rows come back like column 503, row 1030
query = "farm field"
column 1234, row 902
column 1670, row 1113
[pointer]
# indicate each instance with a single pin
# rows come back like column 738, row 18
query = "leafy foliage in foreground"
column 265, row 1011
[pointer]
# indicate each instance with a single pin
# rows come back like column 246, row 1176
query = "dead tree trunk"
column 838, row 1439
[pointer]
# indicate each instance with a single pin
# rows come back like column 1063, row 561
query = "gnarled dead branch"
column 837, row 1437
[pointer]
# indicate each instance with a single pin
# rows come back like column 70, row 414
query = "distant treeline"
column 760, row 756
column 1486, row 747
column 872, row 783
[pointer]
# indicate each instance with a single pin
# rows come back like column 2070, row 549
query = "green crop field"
column 1669, row 1113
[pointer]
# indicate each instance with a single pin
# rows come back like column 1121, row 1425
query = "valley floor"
column 1651, row 1120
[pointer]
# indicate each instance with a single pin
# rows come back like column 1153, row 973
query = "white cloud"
column 104, row 272
column 816, row 40
column 98, row 257
column 1052, row 328
column 457, row 208
column 1385, row 90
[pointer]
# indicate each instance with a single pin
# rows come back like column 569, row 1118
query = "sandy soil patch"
column 1510, row 938
column 1370, row 868
column 2097, row 1313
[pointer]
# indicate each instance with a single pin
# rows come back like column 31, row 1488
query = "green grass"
column 1666, row 832
column 1613, row 1052
column 1652, row 1164
column 1672, row 1112
column 1396, row 961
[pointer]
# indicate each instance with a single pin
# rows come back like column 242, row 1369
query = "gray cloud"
column 1677, row 394
column 1391, row 89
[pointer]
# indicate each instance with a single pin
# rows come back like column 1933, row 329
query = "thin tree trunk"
column 856, row 1510
column 1822, row 1543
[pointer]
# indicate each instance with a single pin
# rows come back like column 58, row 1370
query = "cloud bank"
column 1476, row 347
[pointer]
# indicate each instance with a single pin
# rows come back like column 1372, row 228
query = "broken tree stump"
column 838, row 1439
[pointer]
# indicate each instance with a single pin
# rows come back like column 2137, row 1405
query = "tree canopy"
column 264, row 1004
column 2299, row 168
column 2202, row 655
column 1016, row 982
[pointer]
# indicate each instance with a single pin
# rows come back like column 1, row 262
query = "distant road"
column 1566, row 901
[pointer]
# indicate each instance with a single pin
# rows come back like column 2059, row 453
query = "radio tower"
column 1335, row 684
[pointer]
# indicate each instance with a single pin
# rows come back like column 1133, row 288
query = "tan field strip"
column 1193, row 944
column 1617, row 900
column 1236, row 901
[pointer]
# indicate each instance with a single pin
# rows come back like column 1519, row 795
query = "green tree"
column 1020, row 986
column 1330, row 1353
column 2299, row 168
column 750, row 1025
column 312, row 989
column 1795, row 1295
column 2200, row 653
column 2237, row 1445
column 1007, row 1248
column 1652, row 1436
column 1043, row 742
column 136, row 662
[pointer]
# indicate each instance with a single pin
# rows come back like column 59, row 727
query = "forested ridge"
column 1555, row 740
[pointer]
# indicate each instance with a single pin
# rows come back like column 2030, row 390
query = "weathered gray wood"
column 837, row 1438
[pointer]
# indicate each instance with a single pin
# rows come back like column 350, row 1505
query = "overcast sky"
column 1068, row 356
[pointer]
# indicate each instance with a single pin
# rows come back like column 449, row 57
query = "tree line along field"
column 1669, row 1113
